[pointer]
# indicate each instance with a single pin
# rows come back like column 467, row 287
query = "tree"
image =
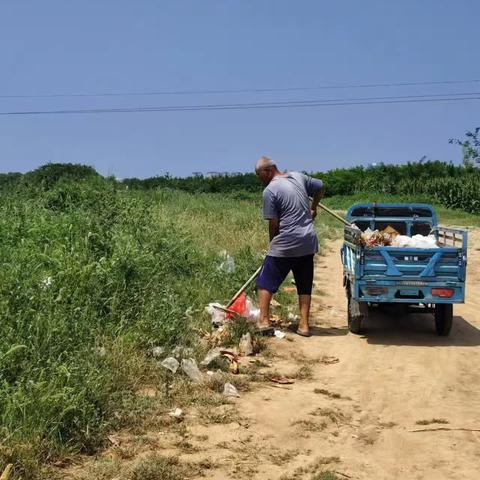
column 470, row 147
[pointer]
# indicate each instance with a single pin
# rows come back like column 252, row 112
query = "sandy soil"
column 397, row 373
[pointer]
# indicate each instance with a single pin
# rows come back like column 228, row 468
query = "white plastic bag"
column 229, row 390
column 158, row 351
column 219, row 317
column 252, row 311
column 171, row 364
column 246, row 345
column 421, row 241
column 189, row 367
column 211, row 356
column 228, row 265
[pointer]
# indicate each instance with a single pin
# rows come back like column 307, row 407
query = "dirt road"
column 369, row 415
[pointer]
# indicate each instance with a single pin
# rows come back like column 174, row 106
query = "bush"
column 48, row 175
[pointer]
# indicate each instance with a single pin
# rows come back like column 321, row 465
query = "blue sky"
column 64, row 47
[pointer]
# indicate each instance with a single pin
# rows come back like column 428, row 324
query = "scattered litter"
column 233, row 359
column 254, row 315
column 243, row 306
column 189, row 366
column 252, row 312
column 275, row 318
column 212, row 354
column 113, row 440
column 239, row 306
column 229, row 390
column 274, row 303
column 289, row 289
column 182, row 352
column 217, row 312
column 209, row 372
column 233, row 367
column 245, row 346
column 177, row 413
column 171, row 364
column 282, row 380
column 292, row 317
column 158, row 352
column 279, row 334
column 228, row 265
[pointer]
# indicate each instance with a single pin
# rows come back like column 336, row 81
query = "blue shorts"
column 275, row 270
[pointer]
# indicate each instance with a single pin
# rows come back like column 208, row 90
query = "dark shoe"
column 265, row 331
column 303, row 334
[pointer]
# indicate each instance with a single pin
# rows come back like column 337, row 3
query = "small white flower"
column 46, row 282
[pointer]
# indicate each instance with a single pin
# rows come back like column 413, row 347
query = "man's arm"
column 315, row 201
column 270, row 213
column 273, row 227
column 315, row 189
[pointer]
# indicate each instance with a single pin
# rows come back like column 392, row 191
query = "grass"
column 335, row 416
column 304, row 372
column 327, row 393
column 441, row 421
column 316, row 470
column 309, row 425
column 150, row 467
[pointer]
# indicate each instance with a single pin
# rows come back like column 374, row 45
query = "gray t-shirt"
column 286, row 198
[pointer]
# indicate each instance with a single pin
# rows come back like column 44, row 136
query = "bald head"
column 266, row 169
column 264, row 162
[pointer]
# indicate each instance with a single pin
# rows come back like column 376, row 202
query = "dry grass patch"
column 310, row 425
column 327, row 393
column 441, row 421
column 316, row 469
column 335, row 416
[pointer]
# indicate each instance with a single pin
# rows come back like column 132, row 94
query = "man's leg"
column 303, row 274
column 304, row 302
column 271, row 276
column 264, row 298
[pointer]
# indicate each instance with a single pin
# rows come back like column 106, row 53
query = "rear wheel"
column 443, row 318
column 356, row 313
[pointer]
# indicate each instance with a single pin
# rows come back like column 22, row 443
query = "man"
column 293, row 241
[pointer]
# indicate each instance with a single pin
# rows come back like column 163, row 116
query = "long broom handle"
column 338, row 217
column 6, row 472
column 245, row 285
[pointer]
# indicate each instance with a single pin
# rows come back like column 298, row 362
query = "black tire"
column 355, row 316
column 443, row 318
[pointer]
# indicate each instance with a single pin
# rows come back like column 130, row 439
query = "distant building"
column 216, row 174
